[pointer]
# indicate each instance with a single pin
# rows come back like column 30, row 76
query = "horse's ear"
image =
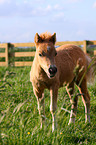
column 37, row 38
column 53, row 38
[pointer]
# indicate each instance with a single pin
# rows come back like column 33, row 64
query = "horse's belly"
column 66, row 78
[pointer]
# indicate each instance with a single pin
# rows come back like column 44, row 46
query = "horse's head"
column 46, row 52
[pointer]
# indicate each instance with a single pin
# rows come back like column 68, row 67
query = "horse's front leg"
column 41, row 109
column 53, row 105
column 41, row 106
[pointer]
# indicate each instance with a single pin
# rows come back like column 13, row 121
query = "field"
column 19, row 119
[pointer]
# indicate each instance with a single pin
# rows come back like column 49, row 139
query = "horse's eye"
column 55, row 53
column 40, row 54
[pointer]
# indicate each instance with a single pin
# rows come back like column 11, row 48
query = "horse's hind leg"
column 85, row 98
column 73, row 100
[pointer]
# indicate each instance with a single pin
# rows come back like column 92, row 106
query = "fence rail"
column 5, row 54
column 9, row 51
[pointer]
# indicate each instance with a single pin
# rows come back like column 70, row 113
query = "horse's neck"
column 36, row 67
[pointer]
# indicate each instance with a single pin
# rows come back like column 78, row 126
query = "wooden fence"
column 23, row 54
column 10, row 46
column 4, row 54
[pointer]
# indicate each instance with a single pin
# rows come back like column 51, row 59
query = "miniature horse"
column 52, row 68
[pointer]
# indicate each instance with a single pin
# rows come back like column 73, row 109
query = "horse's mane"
column 45, row 36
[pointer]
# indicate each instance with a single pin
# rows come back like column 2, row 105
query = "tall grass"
column 19, row 118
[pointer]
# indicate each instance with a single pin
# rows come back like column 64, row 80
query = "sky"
column 72, row 20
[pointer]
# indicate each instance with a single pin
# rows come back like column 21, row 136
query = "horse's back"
column 71, row 50
column 69, row 56
column 70, row 53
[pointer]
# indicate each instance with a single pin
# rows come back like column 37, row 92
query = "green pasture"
column 19, row 119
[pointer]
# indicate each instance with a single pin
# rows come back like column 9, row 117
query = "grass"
column 19, row 118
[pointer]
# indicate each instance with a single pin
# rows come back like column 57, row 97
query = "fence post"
column 11, row 54
column 85, row 46
column 6, row 55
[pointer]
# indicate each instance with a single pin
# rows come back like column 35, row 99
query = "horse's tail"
column 91, row 68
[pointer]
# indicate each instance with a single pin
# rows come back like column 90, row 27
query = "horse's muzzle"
column 52, row 70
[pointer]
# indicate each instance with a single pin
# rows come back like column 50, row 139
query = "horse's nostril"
column 52, row 70
column 55, row 69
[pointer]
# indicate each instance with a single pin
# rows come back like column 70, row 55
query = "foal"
column 52, row 68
